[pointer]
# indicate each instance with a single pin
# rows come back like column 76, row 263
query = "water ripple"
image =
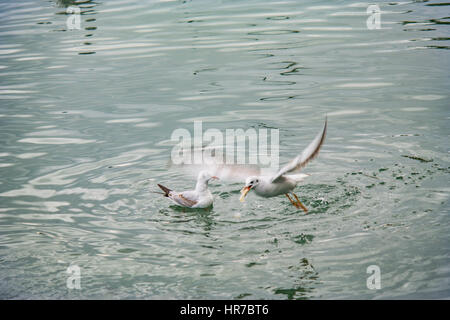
column 86, row 117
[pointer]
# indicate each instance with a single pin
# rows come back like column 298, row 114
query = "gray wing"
column 225, row 172
column 214, row 162
column 235, row 172
column 185, row 199
column 310, row 152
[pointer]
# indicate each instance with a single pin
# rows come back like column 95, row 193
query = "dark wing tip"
column 322, row 139
column 166, row 190
column 315, row 153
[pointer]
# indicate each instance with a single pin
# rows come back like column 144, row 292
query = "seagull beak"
column 244, row 192
column 215, row 177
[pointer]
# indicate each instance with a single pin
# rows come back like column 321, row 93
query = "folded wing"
column 183, row 199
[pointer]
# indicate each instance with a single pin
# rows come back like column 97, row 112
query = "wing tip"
column 166, row 190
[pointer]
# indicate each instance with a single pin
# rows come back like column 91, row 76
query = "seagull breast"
column 268, row 189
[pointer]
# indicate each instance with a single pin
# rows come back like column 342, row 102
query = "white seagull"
column 265, row 184
column 200, row 197
column 281, row 182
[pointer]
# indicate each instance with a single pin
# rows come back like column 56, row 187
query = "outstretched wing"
column 234, row 173
column 310, row 152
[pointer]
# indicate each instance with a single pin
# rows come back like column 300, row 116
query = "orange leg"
column 299, row 204
column 292, row 201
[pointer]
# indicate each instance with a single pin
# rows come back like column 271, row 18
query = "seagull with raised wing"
column 265, row 184
column 281, row 182
column 200, row 197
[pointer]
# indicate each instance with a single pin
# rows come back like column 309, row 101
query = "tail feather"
column 166, row 190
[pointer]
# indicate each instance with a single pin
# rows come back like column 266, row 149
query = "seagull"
column 281, row 182
column 265, row 184
column 200, row 197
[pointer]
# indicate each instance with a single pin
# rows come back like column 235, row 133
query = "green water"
column 85, row 123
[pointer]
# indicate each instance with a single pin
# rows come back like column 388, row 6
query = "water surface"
column 86, row 117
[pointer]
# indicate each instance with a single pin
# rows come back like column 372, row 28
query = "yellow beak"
column 244, row 192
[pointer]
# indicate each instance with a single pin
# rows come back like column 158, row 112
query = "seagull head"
column 205, row 176
column 250, row 183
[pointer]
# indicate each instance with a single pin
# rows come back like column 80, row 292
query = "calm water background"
column 86, row 117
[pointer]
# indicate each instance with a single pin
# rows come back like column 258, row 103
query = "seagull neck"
column 201, row 186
